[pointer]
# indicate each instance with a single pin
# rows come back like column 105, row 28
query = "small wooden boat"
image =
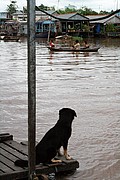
column 68, row 49
column 11, row 38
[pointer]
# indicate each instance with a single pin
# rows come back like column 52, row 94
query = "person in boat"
column 77, row 45
column 51, row 44
column 85, row 44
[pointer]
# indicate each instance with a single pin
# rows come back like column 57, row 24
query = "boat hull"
column 10, row 38
column 94, row 49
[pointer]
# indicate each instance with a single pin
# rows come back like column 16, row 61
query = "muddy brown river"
column 89, row 83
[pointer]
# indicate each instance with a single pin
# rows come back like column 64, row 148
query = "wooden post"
column 31, row 87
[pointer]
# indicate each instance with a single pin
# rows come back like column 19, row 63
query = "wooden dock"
column 11, row 150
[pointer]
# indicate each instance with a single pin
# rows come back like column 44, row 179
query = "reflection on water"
column 88, row 83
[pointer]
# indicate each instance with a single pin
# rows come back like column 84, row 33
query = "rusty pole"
column 31, row 86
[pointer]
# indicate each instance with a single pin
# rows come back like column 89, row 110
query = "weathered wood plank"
column 9, row 163
column 23, row 149
column 4, row 168
column 4, row 134
column 9, row 155
column 12, row 151
column 39, row 170
column 1, row 169
column 14, row 175
column 5, row 137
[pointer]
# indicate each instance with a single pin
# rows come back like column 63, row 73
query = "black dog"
column 56, row 137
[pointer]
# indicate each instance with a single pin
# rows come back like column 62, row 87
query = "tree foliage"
column 46, row 8
column 86, row 11
column 72, row 9
column 12, row 8
column 103, row 12
column 110, row 27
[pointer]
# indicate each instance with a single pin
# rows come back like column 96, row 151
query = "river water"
column 88, row 83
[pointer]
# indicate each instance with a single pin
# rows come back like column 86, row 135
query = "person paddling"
column 85, row 44
column 77, row 45
column 51, row 44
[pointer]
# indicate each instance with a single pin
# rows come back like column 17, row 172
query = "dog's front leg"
column 67, row 156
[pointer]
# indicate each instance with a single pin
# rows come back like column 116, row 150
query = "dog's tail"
column 21, row 163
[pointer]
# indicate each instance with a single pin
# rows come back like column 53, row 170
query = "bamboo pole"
column 31, row 87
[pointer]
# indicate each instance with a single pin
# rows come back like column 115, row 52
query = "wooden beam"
column 31, row 87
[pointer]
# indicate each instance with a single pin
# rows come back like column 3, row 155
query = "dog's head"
column 67, row 114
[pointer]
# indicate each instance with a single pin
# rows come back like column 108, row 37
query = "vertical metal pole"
column 31, row 87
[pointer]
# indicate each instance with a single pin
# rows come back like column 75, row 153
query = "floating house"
column 52, row 23
column 99, row 27
column 72, row 23
column 44, row 23
column 45, row 28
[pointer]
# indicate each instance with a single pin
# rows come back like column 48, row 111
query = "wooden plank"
column 4, row 134
column 12, row 151
column 14, row 175
column 1, row 169
column 42, row 170
column 64, row 160
column 10, row 155
column 57, row 167
column 9, row 163
column 17, row 146
column 65, row 165
column 4, row 168
column 5, row 137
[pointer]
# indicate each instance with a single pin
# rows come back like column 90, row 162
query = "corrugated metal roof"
column 73, row 16
column 50, row 12
column 113, row 19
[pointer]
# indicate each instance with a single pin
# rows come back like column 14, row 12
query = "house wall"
column 23, row 28
column 3, row 15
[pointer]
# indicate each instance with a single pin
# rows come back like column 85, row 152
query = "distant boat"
column 92, row 49
column 10, row 38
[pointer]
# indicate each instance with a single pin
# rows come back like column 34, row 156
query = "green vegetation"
column 74, row 38
column 72, row 9
column 110, row 28
column 84, row 11
column 46, row 8
column 12, row 8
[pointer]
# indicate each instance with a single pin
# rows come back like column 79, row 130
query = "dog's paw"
column 68, row 157
column 56, row 161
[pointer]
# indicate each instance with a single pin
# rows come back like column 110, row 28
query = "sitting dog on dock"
column 57, row 136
